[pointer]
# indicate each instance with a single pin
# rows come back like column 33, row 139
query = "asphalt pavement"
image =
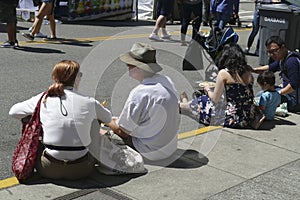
column 210, row 163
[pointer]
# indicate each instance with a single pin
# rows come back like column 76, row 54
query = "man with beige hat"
column 149, row 121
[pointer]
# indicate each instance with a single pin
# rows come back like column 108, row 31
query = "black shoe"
column 246, row 50
column 28, row 36
column 205, row 24
column 17, row 44
column 50, row 38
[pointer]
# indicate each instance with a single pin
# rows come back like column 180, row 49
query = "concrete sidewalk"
column 244, row 164
column 220, row 164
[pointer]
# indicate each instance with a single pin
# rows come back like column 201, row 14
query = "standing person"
column 205, row 15
column 221, row 11
column 8, row 16
column 255, row 27
column 289, row 66
column 163, row 9
column 149, row 121
column 236, row 10
column 37, row 3
column 270, row 98
column 235, row 79
column 187, row 8
column 46, row 9
column 66, row 118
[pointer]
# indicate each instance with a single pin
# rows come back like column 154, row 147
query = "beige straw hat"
column 142, row 56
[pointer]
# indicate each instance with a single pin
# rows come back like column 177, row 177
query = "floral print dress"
column 235, row 111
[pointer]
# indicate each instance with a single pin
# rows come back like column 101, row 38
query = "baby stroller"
column 213, row 44
column 217, row 39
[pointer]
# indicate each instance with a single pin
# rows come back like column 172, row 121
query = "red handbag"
column 25, row 153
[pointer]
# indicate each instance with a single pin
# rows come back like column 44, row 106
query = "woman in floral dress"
column 230, row 102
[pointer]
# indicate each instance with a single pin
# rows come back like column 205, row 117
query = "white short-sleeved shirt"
column 151, row 117
column 66, row 122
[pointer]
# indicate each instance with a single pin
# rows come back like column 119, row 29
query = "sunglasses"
column 273, row 51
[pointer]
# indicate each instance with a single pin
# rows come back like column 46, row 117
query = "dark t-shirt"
column 291, row 76
column 293, row 67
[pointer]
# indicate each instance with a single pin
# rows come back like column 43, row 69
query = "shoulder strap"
column 290, row 54
column 37, row 108
column 284, row 70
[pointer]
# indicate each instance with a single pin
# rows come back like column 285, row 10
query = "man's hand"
column 114, row 126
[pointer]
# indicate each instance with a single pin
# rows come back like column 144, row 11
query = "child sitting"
column 270, row 98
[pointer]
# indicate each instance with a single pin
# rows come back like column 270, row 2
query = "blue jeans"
column 255, row 29
column 186, row 11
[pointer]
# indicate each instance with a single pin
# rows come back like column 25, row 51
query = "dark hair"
column 64, row 74
column 233, row 59
column 266, row 77
column 275, row 39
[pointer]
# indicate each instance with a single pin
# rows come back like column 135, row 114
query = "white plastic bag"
column 117, row 159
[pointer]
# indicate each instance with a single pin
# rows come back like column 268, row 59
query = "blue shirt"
column 222, row 6
column 270, row 100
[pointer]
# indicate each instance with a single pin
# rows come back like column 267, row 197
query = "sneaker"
column 8, row 44
column 166, row 36
column 17, row 44
column 183, row 43
column 205, row 24
column 40, row 35
column 281, row 110
column 246, row 51
column 28, row 36
column 50, row 38
column 155, row 37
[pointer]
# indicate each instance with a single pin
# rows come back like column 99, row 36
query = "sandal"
column 183, row 97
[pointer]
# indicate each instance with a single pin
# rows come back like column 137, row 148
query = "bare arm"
column 116, row 128
column 286, row 90
column 216, row 95
column 260, row 69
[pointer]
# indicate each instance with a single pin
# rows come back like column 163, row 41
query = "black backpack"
column 295, row 53
column 290, row 54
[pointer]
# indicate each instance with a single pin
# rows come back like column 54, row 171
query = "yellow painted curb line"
column 114, row 37
column 8, row 182
column 197, row 132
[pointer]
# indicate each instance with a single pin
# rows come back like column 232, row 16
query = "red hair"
column 64, row 74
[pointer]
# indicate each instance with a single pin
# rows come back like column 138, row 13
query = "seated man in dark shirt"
column 289, row 66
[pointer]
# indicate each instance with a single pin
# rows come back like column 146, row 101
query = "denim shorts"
column 164, row 7
column 8, row 12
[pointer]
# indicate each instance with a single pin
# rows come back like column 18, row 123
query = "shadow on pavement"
column 39, row 50
column 184, row 159
column 268, row 125
column 66, row 41
column 95, row 181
